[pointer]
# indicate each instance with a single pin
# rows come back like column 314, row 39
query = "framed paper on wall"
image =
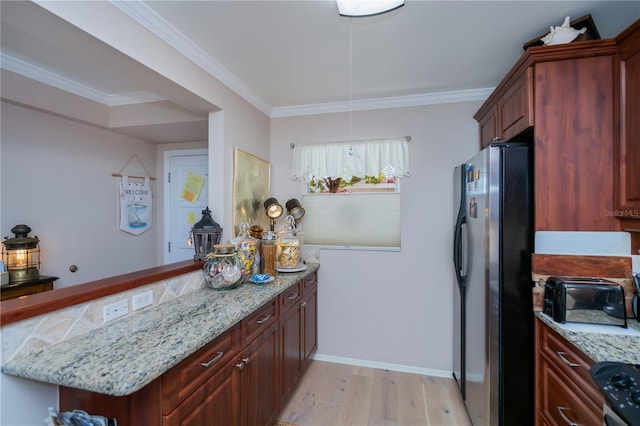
column 251, row 186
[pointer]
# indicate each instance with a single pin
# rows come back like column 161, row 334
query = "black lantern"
column 206, row 233
column 21, row 255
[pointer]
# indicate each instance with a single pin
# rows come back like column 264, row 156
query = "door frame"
column 167, row 192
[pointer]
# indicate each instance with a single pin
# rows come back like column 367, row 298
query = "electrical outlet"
column 141, row 300
column 115, row 310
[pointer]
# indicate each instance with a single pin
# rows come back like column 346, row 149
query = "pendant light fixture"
column 362, row 8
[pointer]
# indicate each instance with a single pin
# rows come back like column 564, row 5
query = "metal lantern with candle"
column 206, row 233
column 21, row 255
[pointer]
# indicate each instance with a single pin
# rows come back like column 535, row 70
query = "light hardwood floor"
column 332, row 394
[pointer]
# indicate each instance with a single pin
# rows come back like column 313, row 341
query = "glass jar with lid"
column 289, row 246
column 223, row 268
column 247, row 248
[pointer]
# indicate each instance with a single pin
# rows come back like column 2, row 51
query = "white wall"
column 391, row 307
column 56, row 178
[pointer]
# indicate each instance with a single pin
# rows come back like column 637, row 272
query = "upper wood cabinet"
column 510, row 114
column 564, row 96
column 627, row 152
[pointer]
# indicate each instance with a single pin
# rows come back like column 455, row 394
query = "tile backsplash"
column 54, row 327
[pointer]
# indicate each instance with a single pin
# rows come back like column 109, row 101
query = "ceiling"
column 293, row 57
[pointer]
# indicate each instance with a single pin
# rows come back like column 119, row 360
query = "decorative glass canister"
column 288, row 246
column 269, row 248
column 247, row 247
column 224, row 269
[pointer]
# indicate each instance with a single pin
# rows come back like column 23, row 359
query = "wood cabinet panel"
column 290, row 349
column 188, row 375
column 259, row 394
column 515, row 107
column 627, row 154
column 42, row 284
column 564, row 390
column 126, row 409
column 310, row 321
column 510, row 114
column 213, row 403
column 259, row 321
column 290, row 297
column 573, row 145
column 562, row 403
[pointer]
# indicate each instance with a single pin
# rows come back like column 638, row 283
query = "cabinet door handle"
column 304, row 304
column 213, row 361
column 565, row 418
column 497, row 138
column 565, row 360
column 242, row 363
column 292, row 296
column 263, row 319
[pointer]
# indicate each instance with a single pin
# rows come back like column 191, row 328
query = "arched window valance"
column 351, row 158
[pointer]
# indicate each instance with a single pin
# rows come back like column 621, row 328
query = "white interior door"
column 186, row 195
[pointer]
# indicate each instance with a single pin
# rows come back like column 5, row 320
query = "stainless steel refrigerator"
column 493, row 312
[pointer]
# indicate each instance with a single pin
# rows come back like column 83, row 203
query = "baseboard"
column 383, row 365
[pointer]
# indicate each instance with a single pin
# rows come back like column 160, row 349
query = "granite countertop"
column 601, row 342
column 126, row 354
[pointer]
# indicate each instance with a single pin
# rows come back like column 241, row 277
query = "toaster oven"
column 586, row 300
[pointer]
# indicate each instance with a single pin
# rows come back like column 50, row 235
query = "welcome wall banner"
column 135, row 206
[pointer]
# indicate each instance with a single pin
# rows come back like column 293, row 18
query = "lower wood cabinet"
column 565, row 393
column 241, row 378
column 298, row 332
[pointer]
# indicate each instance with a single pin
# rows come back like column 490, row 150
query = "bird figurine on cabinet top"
column 562, row 34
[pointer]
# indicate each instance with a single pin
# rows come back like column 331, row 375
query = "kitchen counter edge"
column 600, row 346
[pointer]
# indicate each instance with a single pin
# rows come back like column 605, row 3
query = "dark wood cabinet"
column 298, row 331
column 240, row 378
column 565, row 393
column 291, row 334
column 509, row 113
column 13, row 290
column 627, row 150
column 309, row 318
column 259, row 397
column 576, row 104
column 215, row 402
column 560, row 99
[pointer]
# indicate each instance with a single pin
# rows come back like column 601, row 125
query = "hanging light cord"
column 350, row 83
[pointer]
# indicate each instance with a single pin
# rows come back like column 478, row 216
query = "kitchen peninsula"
column 196, row 352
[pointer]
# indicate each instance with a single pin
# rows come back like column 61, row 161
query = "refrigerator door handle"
column 460, row 249
column 464, row 250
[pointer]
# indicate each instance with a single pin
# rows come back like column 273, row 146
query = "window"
column 353, row 197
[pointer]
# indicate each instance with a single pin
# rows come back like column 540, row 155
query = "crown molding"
column 18, row 66
column 149, row 19
column 383, row 103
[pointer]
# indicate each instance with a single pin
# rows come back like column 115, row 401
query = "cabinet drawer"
column 309, row 283
column 290, row 297
column 562, row 402
column 184, row 378
column 571, row 362
column 258, row 321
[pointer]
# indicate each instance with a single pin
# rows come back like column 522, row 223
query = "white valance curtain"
column 351, row 158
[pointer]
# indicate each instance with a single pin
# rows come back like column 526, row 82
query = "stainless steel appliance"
column 585, row 300
column 493, row 312
column 620, row 383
